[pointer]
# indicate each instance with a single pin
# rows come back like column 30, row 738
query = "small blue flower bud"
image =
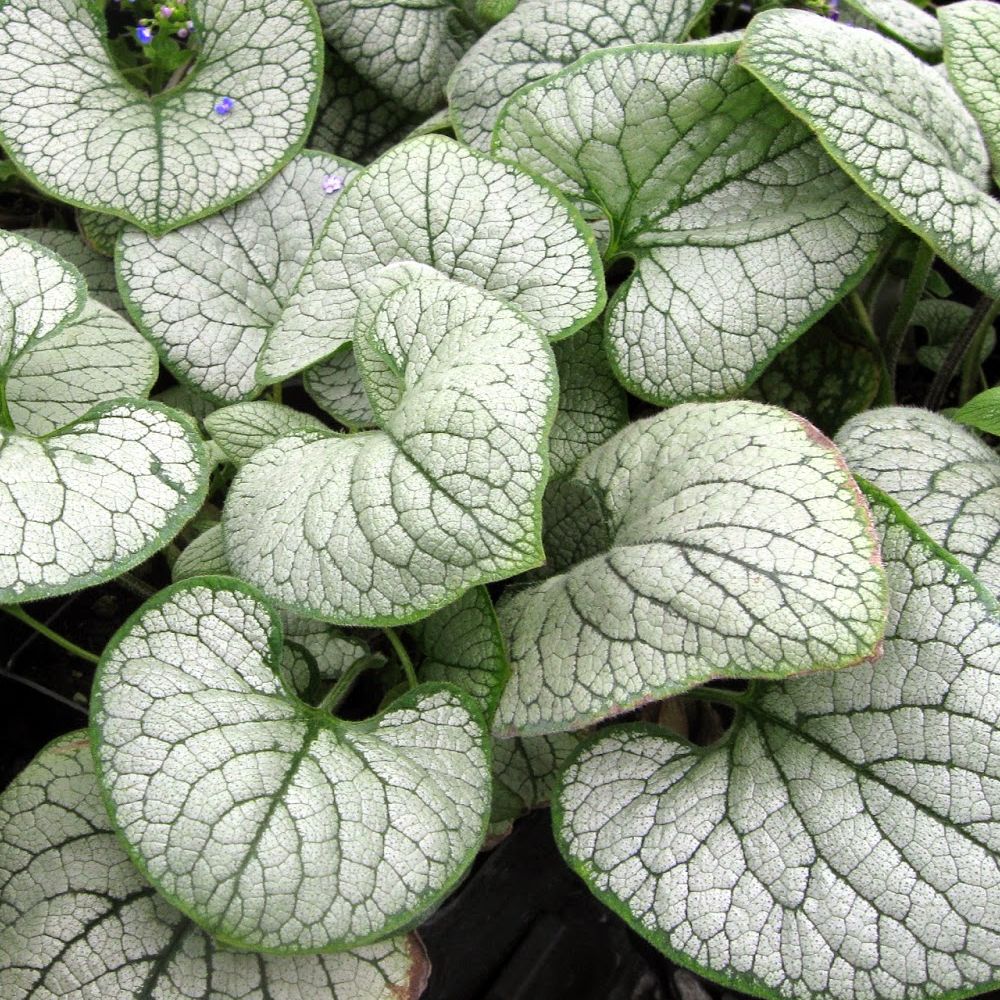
column 167, row 12
column 332, row 183
column 225, row 105
column 145, row 35
column 182, row 32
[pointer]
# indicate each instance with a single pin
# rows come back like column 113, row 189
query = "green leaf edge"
column 310, row 120
column 158, row 343
column 403, row 922
column 177, row 520
column 849, row 283
column 657, row 938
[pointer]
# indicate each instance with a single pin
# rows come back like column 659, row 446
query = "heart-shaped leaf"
column 743, row 231
column 461, row 645
column 972, row 53
column 404, row 48
column 893, row 123
column 841, row 840
column 77, row 919
column 942, row 475
column 433, row 201
column 88, row 487
column 384, row 527
column 208, row 294
column 540, row 37
column 906, row 22
column 738, row 546
column 93, row 140
column 272, row 824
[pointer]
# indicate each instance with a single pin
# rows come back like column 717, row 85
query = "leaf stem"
column 178, row 74
column 913, row 290
column 6, row 421
column 276, row 392
column 404, row 657
column 20, row 614
column 332, row 699
column 734, row 699
column 983, row 315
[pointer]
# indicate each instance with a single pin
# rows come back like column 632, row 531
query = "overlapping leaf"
column 737, row 546
column 893, row 123
column 273, row 825
column 243, row 429
column 841, row 841
column 384, row 527
column 209, row 293
column 540, row 37
column 83, row 134
column 906, row 22
column 77, row 918
column 406, row 49
column 335, row 386
column 741, row 228
column 941, row 474
column 433, row 201
column 88, row 487
column 972, row 53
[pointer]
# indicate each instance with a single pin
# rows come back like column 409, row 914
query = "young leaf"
column 335, row 385
column 945, row 321
column 77, row 919
column 208, row 294
column 386, row 526
column 982, row 412
column 462, row 646
column 98, row 272
column 86, row 136
column 840, row 842
column 943, row 476
column 433, row 201
column 893, row 123
column 353, row 119
column 918, row 30
column 407, row 50
column 100, row 231
column 592, row 405
column 737, row 547
column 243, row 429
column 972, row 54
column 272, row 824
column 525, row 771
column 540, row 37
column 742, row 230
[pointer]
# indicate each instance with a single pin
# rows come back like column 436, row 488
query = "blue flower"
column 225, row 105
column 145, row 35
column 332, row 183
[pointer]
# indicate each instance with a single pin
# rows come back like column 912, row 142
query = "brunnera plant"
column 552, row 414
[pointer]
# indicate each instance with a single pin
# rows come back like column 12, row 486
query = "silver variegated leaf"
column 737, row 546
column 243, row 429
column 917, row 29
column 893, row 123
column 841, row 841
column 743, row 231
column 433, row 201
column 940, row 473
column 336, row 386
column 272, row 824
column 93, row 140
column 386, row 526
column 77, row 920
column 208, row 294
column 540, row 37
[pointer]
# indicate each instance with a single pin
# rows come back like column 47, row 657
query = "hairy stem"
column 20, row 614
column 983, row 314
column 404, row 657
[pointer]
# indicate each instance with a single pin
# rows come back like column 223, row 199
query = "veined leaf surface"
column 540, row 37
column 90, row 483
column 737, row 546
column 841, row 841
column 433, row 201
column 84, row 135
column 893, row 123
column 743, row 231
column 336, row 386
column 917, row 29
column 209, row 293
column 272, row 824
column 972, row 54
column 940, row 473
column 385, row 526
column 243, row 429
column 78, row 920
